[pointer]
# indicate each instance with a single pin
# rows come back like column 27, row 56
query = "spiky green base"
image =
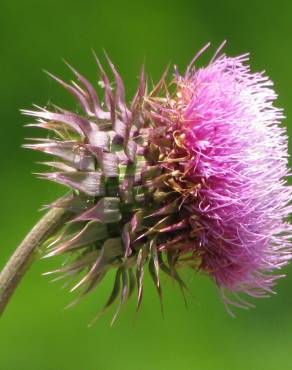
column 124, row 210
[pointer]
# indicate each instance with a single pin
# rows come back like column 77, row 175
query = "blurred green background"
column 36, row 332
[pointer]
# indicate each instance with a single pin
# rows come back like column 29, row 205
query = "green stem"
column 21, row 259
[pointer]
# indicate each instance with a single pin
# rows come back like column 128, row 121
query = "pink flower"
column 193, row 179
column 235, row 155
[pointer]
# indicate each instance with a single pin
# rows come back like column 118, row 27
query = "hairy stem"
column 21, row 259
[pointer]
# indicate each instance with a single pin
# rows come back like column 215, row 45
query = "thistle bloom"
column 190, row 179
column 233, row 167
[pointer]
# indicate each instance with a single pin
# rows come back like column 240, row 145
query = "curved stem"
column 21, row 259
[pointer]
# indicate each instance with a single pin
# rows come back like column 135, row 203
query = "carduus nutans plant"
column 190, row 174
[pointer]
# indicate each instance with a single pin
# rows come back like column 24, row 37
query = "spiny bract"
column 193, row 178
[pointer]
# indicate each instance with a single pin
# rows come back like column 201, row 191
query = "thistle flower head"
column 233, row 167
column 193, row 178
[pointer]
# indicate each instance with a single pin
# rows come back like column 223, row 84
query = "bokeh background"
column 36, row 332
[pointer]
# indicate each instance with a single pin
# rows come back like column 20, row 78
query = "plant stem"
column 21, row 259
